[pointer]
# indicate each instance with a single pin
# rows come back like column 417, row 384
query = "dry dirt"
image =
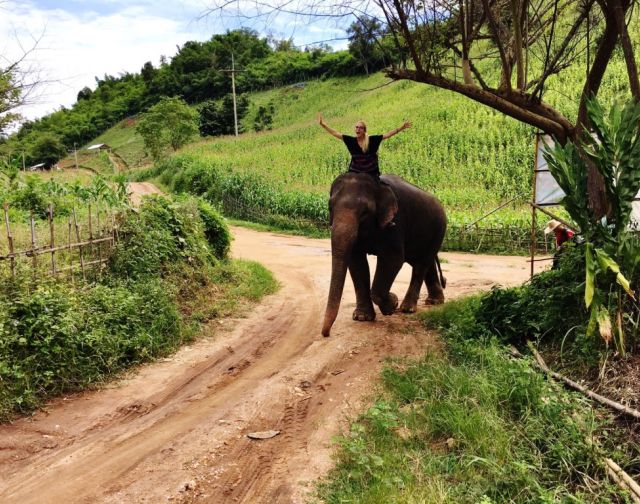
column 138, row 190
column 176, row 430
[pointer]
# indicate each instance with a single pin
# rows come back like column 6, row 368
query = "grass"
column 124, row 140
column 234, row 286
column 473, row 425
column 257, row 226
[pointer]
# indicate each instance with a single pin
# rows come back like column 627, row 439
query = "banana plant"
column 613, row 147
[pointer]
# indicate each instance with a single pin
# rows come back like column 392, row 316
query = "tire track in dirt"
column 185, row 419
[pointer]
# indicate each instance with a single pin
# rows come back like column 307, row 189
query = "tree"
column 84, row 94
column 451, row 44
column 264, row 117
column 48, row 148
column 364, row 39
column 216, row 117
column 10, row 98
column 18, row 81
column 169, row 123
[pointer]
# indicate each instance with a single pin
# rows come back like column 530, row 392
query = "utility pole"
column 233, row 72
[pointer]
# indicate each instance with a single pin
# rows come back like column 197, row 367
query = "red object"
column 562, row 235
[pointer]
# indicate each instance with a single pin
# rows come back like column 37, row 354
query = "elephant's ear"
column 386, row 205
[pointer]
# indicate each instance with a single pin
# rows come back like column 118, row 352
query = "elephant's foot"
column 409, row 306
column 364, row 315
column 389, row 305
column 434, row 300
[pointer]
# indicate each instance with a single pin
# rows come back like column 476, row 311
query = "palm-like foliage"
column 614, row 148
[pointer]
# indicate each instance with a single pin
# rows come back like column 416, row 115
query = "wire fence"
column 505, row 239
column 498, row 239
column 55, row 245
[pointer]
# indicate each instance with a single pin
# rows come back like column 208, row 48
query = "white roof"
column 95, row 146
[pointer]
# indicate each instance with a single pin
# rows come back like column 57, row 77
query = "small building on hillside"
column 99, row 147
column 47, row 165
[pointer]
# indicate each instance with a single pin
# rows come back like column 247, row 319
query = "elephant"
column 394, row 220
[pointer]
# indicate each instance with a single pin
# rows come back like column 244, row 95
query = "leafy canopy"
column 169, row 123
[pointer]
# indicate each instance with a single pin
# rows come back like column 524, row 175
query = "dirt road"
column 176, row 431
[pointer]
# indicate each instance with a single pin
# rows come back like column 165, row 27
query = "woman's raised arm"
column 388, row 134
column 328, row 128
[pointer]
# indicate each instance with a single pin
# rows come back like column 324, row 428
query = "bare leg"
column 359, row 271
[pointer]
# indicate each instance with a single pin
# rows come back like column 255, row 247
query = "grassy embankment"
column 475, row 425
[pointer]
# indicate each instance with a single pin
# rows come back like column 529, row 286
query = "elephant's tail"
column 443, row 280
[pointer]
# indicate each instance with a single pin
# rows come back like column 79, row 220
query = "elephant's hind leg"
column 435, row 292
column 359, row 271
column 410, row 302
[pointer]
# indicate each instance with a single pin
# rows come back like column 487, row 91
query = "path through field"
column 176, row 430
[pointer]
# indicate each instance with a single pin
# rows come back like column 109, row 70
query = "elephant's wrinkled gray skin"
column 361, row 211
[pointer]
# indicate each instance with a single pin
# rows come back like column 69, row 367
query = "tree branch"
column 516, row 105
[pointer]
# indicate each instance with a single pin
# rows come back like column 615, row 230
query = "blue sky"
column 79, row 40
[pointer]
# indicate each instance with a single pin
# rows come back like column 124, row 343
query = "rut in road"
column 177, row 428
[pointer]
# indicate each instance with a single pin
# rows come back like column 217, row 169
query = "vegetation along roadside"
column 472, row 424
column 168, row 274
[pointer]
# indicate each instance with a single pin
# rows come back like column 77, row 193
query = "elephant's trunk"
column 343, row 236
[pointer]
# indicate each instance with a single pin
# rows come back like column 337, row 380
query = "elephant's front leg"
column 386, row 272
column 359, row 271
column 410, row 301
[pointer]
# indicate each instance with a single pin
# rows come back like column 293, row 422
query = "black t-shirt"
column 363, row 162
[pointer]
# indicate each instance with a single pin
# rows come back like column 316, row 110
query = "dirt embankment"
column 177, row 429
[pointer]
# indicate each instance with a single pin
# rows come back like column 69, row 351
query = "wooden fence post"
column 10, row 240
column 70, row 253
column 34, row 259
column 75, row 221
column 100, row 236
column 52, row 240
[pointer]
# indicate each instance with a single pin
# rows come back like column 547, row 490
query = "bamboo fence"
column 86, row 247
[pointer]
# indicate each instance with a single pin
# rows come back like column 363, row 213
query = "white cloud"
column 115, row 36
column 77, row 47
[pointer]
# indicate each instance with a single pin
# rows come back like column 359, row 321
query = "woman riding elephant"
column 362, row 207
column 363, row 148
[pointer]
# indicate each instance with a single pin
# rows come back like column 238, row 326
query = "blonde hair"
column 365, row 147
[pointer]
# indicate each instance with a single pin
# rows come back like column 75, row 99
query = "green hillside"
column 471, row 157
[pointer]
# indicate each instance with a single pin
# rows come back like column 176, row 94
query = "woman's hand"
column 321, row 120
column 407, row 124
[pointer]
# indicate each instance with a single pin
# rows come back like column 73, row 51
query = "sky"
column 77, row 40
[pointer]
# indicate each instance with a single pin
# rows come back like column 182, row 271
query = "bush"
column 162, row 237
column 548, row 306
column 56, row 338
column 215, row 229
